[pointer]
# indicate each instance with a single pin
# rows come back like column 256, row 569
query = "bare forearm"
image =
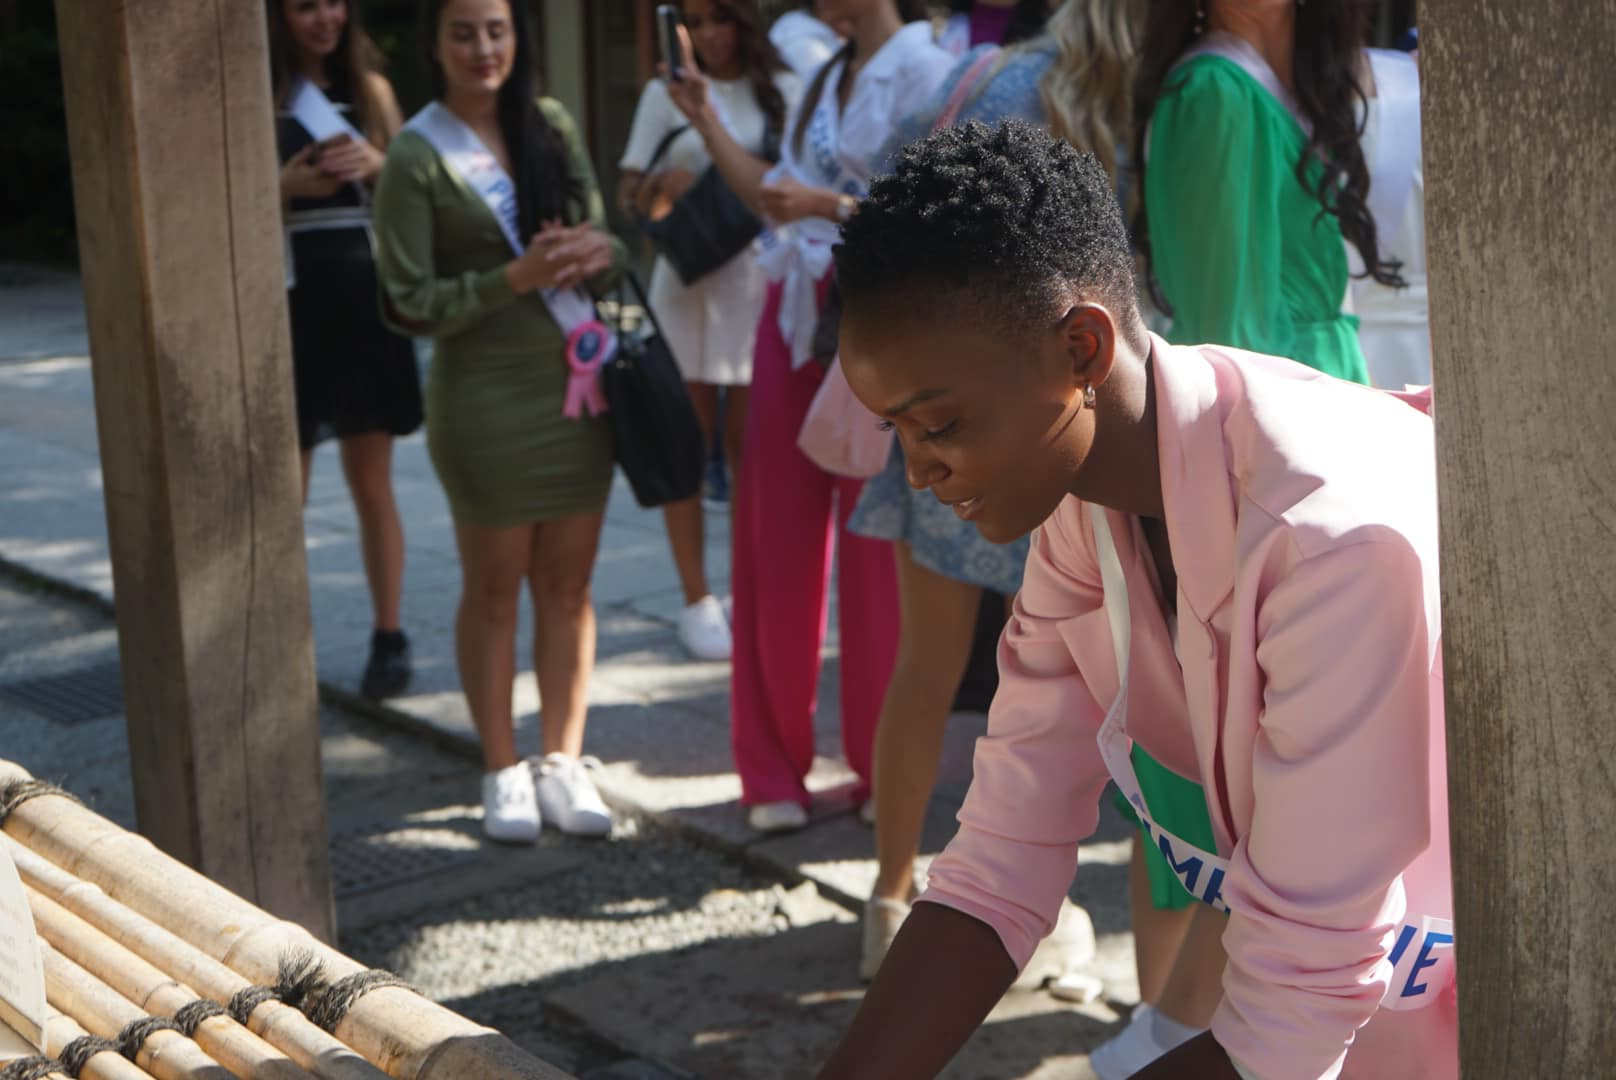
column 1199, row 1059
column 741, row 169
column 944, row 974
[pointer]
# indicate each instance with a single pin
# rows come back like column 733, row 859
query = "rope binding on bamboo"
column 135, row 1033
column 77, row 1054
column 187, row 1018
column 18, row 792
column 30, row 1068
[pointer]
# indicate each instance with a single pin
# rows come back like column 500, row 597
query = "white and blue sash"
column 590, row 343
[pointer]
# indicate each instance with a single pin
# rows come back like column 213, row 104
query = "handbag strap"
column 662, row 148
column 963, row 89
column 632, row 280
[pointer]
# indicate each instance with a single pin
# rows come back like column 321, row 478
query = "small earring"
column 1200, row 17
column 1088, row 397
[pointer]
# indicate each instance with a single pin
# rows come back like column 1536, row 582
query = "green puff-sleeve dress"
column 1244, row 258
column 501, row 448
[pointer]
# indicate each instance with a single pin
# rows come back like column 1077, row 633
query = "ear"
column 1089, row 335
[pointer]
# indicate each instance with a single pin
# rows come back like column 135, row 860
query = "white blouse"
column 737, row 107
column 839, row 145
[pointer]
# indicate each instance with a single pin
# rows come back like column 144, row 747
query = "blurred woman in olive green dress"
column 526, row 485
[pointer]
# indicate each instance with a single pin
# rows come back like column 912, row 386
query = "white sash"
column 799, row 254
column 1421, row 956
column 480, row 170
column 1397, row 142
column 310, row 107
column 955, row 35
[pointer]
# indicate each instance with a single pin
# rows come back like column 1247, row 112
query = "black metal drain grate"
column 73, row 697
column 384, row 854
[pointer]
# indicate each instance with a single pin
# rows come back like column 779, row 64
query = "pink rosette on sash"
column 589, row 346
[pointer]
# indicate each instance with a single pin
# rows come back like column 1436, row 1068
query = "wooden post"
column 174, row 178
column 1520, row 150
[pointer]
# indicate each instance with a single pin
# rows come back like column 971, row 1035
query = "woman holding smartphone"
column 710, row 324
column 789, row 514
column 355, row 380
column 489, row 224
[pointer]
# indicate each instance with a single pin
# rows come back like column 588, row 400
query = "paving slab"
column 775, row 1006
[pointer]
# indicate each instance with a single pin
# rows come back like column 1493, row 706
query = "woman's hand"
column 1199, row 1059
column 349, row 159
column 689, row 91
column 786, row 200
column 301, row 178
column 560, row 257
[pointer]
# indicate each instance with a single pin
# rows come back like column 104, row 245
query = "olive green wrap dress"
column 499, row 444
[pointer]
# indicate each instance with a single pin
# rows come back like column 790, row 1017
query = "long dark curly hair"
column 546, row 190
column 759, row 59
column 1328, row 70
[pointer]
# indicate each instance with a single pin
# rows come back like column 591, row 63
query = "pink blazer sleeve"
column 1340, row 784
column 1038, row 775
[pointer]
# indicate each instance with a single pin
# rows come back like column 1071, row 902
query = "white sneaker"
column 567, row 797
column 1068, row 947
column 1147, row 1037
column 510, row 809
column 882, row 921
column 776, row 816
column 704, row 631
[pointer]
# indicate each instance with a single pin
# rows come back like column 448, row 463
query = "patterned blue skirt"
column 889, row 509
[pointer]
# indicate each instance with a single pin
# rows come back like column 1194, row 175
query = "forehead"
column 476, row 11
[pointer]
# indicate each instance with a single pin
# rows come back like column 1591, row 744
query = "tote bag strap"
column 963, row 89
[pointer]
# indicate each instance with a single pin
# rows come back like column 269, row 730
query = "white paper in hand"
column 22, row 972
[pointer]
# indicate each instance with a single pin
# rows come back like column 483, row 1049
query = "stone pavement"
column 658, row 719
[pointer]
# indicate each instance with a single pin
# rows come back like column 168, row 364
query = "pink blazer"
column 1301, row 511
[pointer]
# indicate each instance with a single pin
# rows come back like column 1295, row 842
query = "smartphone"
column 668, row 20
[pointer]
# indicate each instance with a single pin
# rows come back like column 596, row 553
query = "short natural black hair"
column 1006, row 219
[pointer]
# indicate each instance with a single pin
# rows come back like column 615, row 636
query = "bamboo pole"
column 167, row 1055
column 61, row 1029
column 403, row 1033
column 280, row 1025
column 156, row 992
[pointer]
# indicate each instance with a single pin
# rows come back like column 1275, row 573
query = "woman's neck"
column 1271, row 31
column 312, row 67
column 1123, row 467
column 873, row 30
column 479, row 111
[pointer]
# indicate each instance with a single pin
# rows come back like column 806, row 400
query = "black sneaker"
column 387, row 673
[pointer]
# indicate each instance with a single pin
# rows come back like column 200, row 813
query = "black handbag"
column 709, row 224
column 658, row 437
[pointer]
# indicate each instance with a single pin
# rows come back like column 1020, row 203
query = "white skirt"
column 711, row 326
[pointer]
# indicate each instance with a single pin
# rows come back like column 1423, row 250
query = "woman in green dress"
column 1253, row 181
column 527, row 485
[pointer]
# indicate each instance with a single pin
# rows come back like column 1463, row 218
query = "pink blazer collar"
column 1193, row 398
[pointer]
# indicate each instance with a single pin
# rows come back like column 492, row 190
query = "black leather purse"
column 709, row 224
column 657, row 434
